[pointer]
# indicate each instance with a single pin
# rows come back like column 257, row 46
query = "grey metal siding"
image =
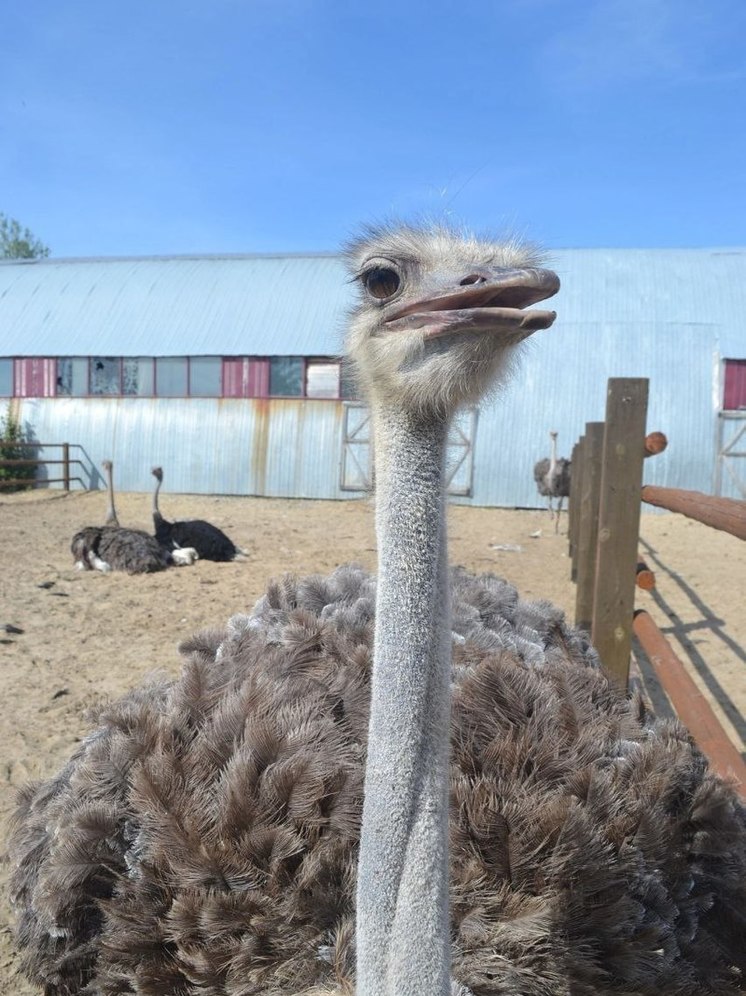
column 669, row 315
column 275, row 448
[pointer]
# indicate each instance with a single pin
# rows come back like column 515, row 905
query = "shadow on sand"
column 710, row 622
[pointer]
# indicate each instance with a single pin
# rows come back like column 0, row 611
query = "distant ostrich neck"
column 402, row 896
column 111, row 512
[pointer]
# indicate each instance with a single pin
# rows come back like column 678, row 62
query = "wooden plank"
column 727, row 514
column 619, row 524
column 655, row 442
column 576, row 486
column 692, row 708
column 645, row 578
column 572, row 506
column 588, row 523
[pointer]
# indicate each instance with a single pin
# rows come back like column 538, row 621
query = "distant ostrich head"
column 440, row 314
column 157, row 473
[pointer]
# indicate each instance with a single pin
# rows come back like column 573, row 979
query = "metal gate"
column 356, row 470
column 730, row 470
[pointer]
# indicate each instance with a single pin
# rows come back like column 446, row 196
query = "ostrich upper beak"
column 491, row 302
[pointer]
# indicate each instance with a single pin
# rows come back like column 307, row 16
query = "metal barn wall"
column 561, row 384
column 279, row 448
column 670, row 315
column 293, row 448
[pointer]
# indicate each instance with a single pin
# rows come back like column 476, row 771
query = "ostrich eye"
column 381, row 282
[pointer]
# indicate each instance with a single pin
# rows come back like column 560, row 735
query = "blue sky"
column 160, row 126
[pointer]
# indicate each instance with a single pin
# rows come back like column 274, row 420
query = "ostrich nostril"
column 473, row 278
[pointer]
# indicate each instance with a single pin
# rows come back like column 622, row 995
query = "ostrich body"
column 210, row 542
column 552, row 476
column 208, row 837
column 113, row 547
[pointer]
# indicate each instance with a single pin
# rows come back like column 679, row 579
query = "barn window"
column 72, row 377
column 347, row 383
column 137, row 376
column 6, row 377
column 171, row 376
column 734, row 393
column 286, row 377
column 105, row 375
column 322, row 379
column 205, row 376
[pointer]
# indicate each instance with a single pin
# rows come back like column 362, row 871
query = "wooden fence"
column 604, row 525
column 65, row 463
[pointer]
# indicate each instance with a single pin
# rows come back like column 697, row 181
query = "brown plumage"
column 203, row 839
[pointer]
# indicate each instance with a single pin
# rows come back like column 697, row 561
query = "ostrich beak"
column 493, row 301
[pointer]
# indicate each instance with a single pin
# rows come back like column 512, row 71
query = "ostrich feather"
column 203, row 838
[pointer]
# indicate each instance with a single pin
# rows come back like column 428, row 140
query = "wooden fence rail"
column 692, row 708
column 66, row 462
column 603, row 533
column 727, row 514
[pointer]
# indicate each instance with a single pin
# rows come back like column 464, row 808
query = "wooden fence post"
column 619, row 524
column 587, row 526
column 66, row 466
column 577, row 462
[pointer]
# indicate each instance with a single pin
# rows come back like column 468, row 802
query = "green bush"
column 12, row 434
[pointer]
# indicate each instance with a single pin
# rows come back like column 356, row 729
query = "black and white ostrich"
column 415, row 786
column 112, row 547
column 552, row 476
column 210, row 542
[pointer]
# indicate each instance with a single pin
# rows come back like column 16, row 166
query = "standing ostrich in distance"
column 552, row 476
column 210, row 542
column 113, row 547
column 208, row 837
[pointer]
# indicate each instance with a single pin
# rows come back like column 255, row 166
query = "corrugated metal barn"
column 225, row 371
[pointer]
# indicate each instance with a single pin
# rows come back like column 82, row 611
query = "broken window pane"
column 72, row 377
column 137, row 376
column 105, row 375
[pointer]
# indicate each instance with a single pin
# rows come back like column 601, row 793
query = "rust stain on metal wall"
column 259, row 444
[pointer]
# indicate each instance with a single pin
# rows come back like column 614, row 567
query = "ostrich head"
column 157, row 473
column 440, row 314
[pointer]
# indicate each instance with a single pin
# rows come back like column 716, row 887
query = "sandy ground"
column 87, row 637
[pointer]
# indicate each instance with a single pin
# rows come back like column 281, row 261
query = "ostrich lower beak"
column 494, row 304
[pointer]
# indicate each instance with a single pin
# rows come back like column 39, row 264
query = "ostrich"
column 208, row 836
column 113, row 547
column 552, row 476
column 210, row 542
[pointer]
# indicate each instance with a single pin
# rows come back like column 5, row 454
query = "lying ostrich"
column 208, row 836
column 552, row 476
column 113, row 547
column 210, row 542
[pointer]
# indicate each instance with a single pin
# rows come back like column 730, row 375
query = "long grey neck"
column 403, row 943
column 111, row 512
column 553, row 455
column 156, row 513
